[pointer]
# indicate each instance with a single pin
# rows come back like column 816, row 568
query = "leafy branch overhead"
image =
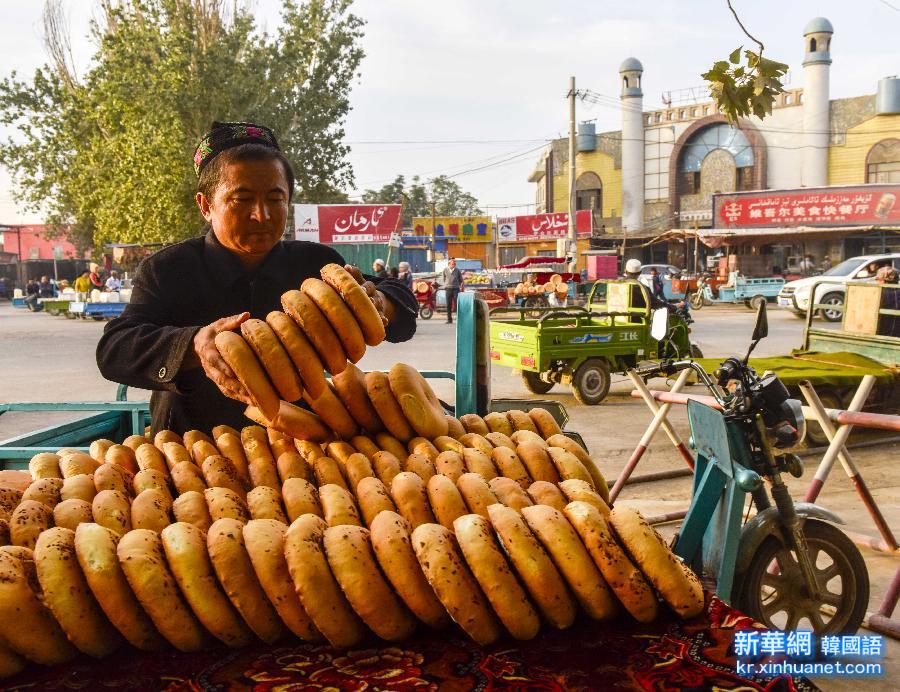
column 745, row 87
column 748, row 86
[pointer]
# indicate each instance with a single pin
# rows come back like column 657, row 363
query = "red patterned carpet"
column 667, row 655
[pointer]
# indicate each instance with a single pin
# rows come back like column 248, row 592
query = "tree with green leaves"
column 111, row 152
column 448, row 197
column 746, row 83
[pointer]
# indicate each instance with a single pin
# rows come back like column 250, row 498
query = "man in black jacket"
column 187, row 293
column 453, row 283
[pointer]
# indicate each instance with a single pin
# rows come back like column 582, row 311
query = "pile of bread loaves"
column 498, row 525
column 325, row 326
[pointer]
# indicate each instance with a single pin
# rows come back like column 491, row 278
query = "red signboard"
column 550, row 226
column 857, row 205
column 346, row 223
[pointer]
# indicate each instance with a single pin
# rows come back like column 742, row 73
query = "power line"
column 444, row 141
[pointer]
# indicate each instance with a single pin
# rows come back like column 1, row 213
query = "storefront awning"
column 719, row 237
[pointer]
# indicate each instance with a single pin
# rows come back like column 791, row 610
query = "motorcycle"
column 697, row 298
column 789, row 567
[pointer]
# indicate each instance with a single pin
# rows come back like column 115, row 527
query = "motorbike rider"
column 633, row 273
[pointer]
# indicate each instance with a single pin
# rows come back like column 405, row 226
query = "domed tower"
column 816, row 102
column 632, row 145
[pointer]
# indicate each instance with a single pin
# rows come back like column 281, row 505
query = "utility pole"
column 573, row 232
column 433, row 226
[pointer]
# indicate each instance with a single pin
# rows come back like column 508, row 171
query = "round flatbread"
column 544, row 422
column 521, row 421
column 495, row 576
column 418, row 401
column 241, row 358
column 674, row 581
column 339, row 316
column 350, row 386
column 378, row 387
column 446, row 501
column 390, row 535
column 191, row 508
column 95, row 548
column 26, row 624
column 141, row 557
column 510, row 493
column 420, row 465
column 446, row 571
column 27, row 522
column 476, row 492
column 497, row 422
column 70, row 513
column 386, row 466
column 273, row 358
column 264, row 540
column 300, row 497
column 228, row 554
column 545, row 493
column 358, row 301
column 409, row 494
column 335, row 415
column 579, row 491
column 373, row 498
column 352, row 561
column 473, row 423
column 66, row 592
column 315, row 584
column 510, row 466
column 304, row 311
column 537, row 461
column 534, row 567
column 569, row 554
column 450, row 464
column 338, row 506
column 617, row 569
column 300, row 350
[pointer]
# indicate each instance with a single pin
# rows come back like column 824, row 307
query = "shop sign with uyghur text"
column 346, row 223
column 544, row 226
column 856, row 205
column 465, row 229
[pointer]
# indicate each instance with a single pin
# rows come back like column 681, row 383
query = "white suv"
column 796, row 294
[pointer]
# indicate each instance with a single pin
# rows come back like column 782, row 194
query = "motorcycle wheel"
column 779, row 600
column 695, row 351
column 696, row 300
column 534, row 383
column 426, row 312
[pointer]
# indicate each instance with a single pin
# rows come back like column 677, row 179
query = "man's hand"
column 384, row 306
column 212, row 362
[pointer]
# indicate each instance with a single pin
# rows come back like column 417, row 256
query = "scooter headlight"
column 793, row 414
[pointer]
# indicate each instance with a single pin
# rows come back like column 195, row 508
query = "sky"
column 474, row 88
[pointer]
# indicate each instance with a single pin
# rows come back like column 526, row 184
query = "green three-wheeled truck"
column 581, row 346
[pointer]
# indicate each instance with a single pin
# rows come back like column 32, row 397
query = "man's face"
column 249, row 207
column 452, row 264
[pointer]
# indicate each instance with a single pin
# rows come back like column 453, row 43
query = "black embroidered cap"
column 224, row 136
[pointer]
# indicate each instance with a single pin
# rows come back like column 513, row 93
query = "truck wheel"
column 591, row 382
column 534, row 383
column 756, row 301
column 426, row 312
column 832, row 299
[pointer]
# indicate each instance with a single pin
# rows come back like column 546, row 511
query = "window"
column 589, row 192
column 706, row 110
column 625, row 82
column 745, row 178
column 659, row 117
column 689, row 182
column 718, row 136
column 695, row 112
column 681, row 115
column 670, row 115
column 812, row 45
column 546, row 253
column 510, row 254
column 883, row 162
column 789, row 99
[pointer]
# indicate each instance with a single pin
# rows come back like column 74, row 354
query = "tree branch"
column 744, row 29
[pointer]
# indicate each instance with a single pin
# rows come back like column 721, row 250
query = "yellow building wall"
column 598, row 162
column 847, row 162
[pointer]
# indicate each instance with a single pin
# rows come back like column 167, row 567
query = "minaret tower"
column 816, row 102
column 632, row 145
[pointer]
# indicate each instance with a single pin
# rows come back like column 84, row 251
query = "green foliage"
column 745, row 88
column 112, row 152
column 449, row 198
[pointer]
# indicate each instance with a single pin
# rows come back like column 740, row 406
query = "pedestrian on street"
column 453, row 284
column 96, row 281
column 114, row 283
column 378, row 270
column 405, row 275
column 83, row 284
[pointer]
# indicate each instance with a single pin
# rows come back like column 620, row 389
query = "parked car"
column 666, row 272
column 795, row 295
